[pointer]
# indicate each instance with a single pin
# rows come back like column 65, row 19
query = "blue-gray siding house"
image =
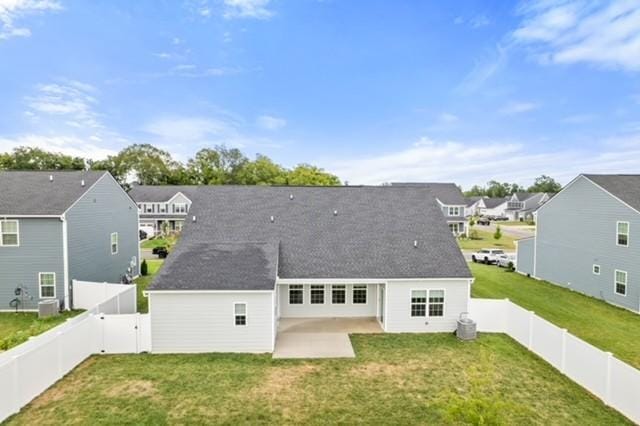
column 588, row 239
column 59, row 226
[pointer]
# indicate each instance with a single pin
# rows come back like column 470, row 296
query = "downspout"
column 65, row 260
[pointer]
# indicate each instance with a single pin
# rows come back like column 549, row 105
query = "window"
column 240, row 313
column 47, row 281
column 296, row 295
column 148, row 208
column 623, row 234
column 455, row 228
column 317, row 294
column 596, row 269
column 436, row 303
column 114, row 243
column 621, row 283
column 179, row 208
column 454, row 211
column 9, row 233
column 418, row 303
column 359, row 295
column 338, row 294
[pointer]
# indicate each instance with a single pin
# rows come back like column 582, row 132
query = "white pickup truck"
column 487, row 256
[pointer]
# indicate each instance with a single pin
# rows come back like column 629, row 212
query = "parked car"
column 156, row 250
column 505, row 259
column 162, row 252
column 484, row 221
column 487, row 256
column 143, row 235
column 500, row 218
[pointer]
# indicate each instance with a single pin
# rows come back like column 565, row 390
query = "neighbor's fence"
column 611, row 380
column 30, row 368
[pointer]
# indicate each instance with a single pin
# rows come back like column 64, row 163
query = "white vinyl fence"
column 617, row 384
column 110, row 325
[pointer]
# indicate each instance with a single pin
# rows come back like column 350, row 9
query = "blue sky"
column 374, row 91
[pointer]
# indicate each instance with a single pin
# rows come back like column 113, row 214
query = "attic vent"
column 50, row 178
column 272, row 219
column 291, row 196
column 415, row 243
column 193, row 219
column 335, row 212
column 82, row 182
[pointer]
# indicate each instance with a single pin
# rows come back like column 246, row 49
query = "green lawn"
column 609, row 328
column 486, row 240
column 514, row 223
column 143, row 282
column 16, row 328
column 167, row 241
column 395, row 379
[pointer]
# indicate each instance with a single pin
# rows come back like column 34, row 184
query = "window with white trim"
column 47, row 283
column 114, row 243
column 436, row 303
column 621, row 283
column 338, row 294
column 455, row 228
column 296, row 294
column 418, row 303
column 240, row 314
column 596, row 269
column 359, row 296
column 317, row 295
column 454, row 211
column 180, row 208
column 9, row 233
column 622, row 229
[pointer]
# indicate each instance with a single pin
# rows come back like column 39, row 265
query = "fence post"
column 531, row 317
column 607, row 389
column 17, row 392
column 563, row 360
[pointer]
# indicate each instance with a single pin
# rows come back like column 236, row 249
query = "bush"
column 144, row 269
column 473, row 235
column 498, row 234
column 511, row 267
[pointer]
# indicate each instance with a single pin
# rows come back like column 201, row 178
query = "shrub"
column 473, row 235
column 472, row 221
column 144, row 269
column 510, row 267
column 498, row 234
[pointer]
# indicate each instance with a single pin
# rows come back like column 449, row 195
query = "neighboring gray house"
column 588, row 239
column 162, row 204
column 451, row 201
column 522, row 206
column 255, row 255
column 59, row 226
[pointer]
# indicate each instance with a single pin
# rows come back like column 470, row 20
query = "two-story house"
column 523, row 205
column 451, row 201
column 588, row 239
column 163, row 207
column 59, row 226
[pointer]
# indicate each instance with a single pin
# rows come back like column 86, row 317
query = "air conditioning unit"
column 48, row 308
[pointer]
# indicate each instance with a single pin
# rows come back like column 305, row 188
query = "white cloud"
column 258, row 9
column 271, row 123
column 193, row 71
column 478, row 162
column 605, row 34
column 483, row 70
column 513, row 108
column 13, row 10
column 69, row 145
column 578, row 118
column 448, row 118
column 479, row 21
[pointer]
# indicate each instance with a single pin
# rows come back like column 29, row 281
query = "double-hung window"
column 436, row 303
column 359, row 294
column 240, row 313
column 114, row 243
column 418, row 303
column 621, row 283
column 296, row 294
column 338, row 294
column 9, row 233
column 179, row 208
column 454, row 211
column 317, row 294
column 47, row 283
column 596, row 269
column 622, row 238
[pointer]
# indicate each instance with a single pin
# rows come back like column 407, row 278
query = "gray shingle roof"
column 625, row 187
column 371, row 236
column 447, row 193
column 32, row 193
column 220, row 266
column 159, row 193
column 493, row 202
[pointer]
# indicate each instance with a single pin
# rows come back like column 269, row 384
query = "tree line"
column 495, row 189
column 148, row 165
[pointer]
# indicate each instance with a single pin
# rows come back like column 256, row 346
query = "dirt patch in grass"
column 131, row 388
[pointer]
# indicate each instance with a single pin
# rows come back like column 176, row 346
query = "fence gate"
column 127, row 333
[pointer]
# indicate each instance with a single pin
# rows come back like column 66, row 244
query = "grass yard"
column 143, row 282
column 396, row 379
column 486, row 240
column 16, row 328
column 515, row 223
column 168, row 241
column 609, row 328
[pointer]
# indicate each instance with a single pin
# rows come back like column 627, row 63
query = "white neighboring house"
column 162, row 205
column 475, row 206
column 258, row 254
column 522, row 206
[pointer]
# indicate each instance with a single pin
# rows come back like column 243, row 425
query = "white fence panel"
column 125, row 333
column 547, row 341
column 144, row 326
column 490, row 314
column 8, row 395
column 625, row 389
column 519, row 324
column 109, row 307
column 587, row 366
column 127, row 301
column 86, row 294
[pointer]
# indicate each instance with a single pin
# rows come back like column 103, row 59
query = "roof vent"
column 50, row 178
column 272, row 219
column 291, row 196
column 193, row 219
column 415, row 243
column 82, row 183
column 335, row 212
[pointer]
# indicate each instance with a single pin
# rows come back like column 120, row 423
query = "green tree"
column 305, row 174
column 498, row 234
column 262, row 171
column 476, row 191
column 545, row 183
column 28, row 158
column 216, row 166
